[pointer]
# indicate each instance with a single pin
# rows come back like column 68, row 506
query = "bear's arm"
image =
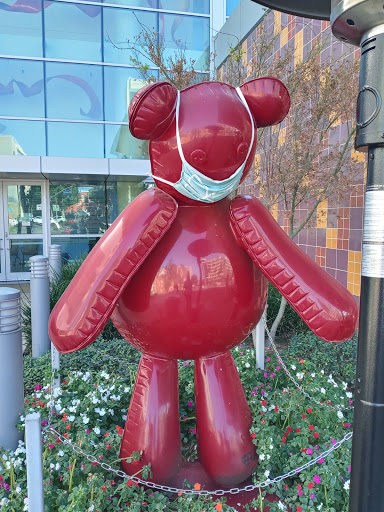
column 328, row 309
column 86, row 305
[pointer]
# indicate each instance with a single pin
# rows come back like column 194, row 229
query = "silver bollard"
column 40, row 306
column 54, row 263
column 34, row 462
column 11, row 368
column 258, row 336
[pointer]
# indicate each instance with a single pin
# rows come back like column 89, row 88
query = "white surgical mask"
column 193, row 183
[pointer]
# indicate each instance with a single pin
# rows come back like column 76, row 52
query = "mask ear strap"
column 177, row 129
column 163, row 180
column 252, row 122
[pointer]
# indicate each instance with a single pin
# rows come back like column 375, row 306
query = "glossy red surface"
column 86, row 305
column 323, row 303
column 198, row 294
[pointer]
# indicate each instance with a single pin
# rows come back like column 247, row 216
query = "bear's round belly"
column 197, row 294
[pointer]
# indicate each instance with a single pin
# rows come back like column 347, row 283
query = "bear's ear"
column 267, row 99
column 151, row 110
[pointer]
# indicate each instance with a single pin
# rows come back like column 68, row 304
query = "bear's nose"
column 198, row 156
column 242, row 150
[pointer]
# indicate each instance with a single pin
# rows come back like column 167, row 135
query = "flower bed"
column 90, row 410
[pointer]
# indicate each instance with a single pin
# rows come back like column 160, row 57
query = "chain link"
column 216, row 492
column 321, row 404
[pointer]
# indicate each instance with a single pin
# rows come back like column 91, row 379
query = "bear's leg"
column 153, row 419
column 223, row 421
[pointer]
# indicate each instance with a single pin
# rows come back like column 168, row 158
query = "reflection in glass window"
column 22, row 137
column 78, row 210
column 75, row 139
column 21, row 251
column 74, row 91
column 120, row 85
column 24, row 210
column 20, row 28
column 121, row 25
column 72, row 31
column 190, row 33
column 75, row 248
column 198, row 6
column 119, row 143
column 120, row 194
column 152, row 4
column 21, row 88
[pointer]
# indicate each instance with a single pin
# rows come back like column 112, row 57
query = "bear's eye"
column 198, row 156
column 242, row 150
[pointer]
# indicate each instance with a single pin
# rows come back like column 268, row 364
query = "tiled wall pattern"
column 335, row 239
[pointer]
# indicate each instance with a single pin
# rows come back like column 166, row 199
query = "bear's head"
column 215, row 126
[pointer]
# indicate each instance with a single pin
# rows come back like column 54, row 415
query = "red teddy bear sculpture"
column 183, row 272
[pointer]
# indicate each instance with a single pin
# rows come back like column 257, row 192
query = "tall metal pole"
column 54, row 275
column 40, row 306
column 258, row 337
column 11, row 368
column 34, row 463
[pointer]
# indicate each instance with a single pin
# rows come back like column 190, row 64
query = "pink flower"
column 309, row 451
column 39, row 386
column 88, row 431
column 312, row 496
column 51, row 446
column 317, row 479
column 321, row 461
column 300, row 493
column 44, row 423
column 277, row 368
column 190, row 404
column 349, row 468
column 268, row 359
column 333, row 442
column 265, row 375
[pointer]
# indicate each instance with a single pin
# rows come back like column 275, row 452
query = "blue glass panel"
column 74, row 248
column 20, row 28
column 73, row 31
column 189, row 33
column 75, row 139
column 119, row 143
column 74, row 91
column 152, row 4
column 230, row 6
column 198, row 6
column 22, row 137
column 21, row 88
column 120, row 26
column 120, row 85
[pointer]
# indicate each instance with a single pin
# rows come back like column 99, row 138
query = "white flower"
column 102, row 412
column 124, row 416
column 104, row 375
column 322, row 371
column 320, row 506
column 313, row 375
column 57, row 467
column 348, row 394
column 247, row 365
column 346, row 485
column 293, row 367
column 111, row 412
column 322, row 390
column 71, row 418
column 300, row 375
column 261, row 457
column 60, row 453
column 268, row 457
column 86, row 376
column 271, row 446
column 95, row 400
column 91, row 508
column 266, row 473
column 281, row 506
column 340, row 414
column 85, row 420
column 96, row 430
column 126, row 389
column 18, row 490
column 345, row 385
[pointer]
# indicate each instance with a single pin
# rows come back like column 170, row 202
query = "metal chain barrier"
column 290, row 376
column 217, row 492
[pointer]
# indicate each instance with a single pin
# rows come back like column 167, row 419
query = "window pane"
column 75, row 139
column 74, row 91
column 24, row 210
column 120, row 85
column 120, row 194
column 21, row 251
column 75, row 248
column 119, row 143
column 22, row 137
column 20, row 28
column 73, row 31
column 78, row 210
column 230, row 6
column 191, row 34
column 121, row 25
column 198, row 6
column 153, row 4
column 21, row 88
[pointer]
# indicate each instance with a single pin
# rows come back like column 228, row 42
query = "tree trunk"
column 276, row 322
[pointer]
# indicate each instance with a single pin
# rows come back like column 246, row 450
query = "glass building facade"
column 68, row 164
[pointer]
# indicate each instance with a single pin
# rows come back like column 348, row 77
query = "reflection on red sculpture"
column 183, row 274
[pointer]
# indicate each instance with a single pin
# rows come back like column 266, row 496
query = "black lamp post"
column 361, row 23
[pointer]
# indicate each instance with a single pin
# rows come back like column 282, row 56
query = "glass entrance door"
column 23, row 221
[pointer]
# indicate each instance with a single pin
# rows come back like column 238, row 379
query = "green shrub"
column 335, row 358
